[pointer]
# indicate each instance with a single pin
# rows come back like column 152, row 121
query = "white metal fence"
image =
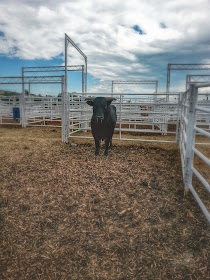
column 43, row 111
column 139, row 113
column 190, row 109
column 7, row 103
column 34, row 110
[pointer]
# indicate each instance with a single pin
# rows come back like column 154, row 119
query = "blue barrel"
column 16, row 113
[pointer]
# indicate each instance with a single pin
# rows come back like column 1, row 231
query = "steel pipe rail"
column 200, row 177
column 128, row 139
column 199, row 85
column 196, row 79
column 31, row 79
column 202, row 109
column 162, row 94
column 52, row 68
column 188, row 130
column 201, row 156
column 184, row 66
column 65, row 118
column 200, row 203
column 202, row 131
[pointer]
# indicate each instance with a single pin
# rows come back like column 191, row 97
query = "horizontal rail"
column 139, row 103
column 127, row 139
column 16, row 123
column 202, row 131
column 126, row 121
column 200, row 203
column 201, row 156
column 200, row 177
column 163, row 94
column 78, row 130
column 199, row 85
column 45, row 125
column 202, row 109
column 131, row 130
column 161, row 113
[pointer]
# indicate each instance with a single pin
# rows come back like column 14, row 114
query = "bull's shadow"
column 103, row 121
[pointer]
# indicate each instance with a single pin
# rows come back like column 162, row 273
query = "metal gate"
column 190, row 108
column 138, row 114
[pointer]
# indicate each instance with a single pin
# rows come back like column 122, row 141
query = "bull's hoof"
column 106, row 153
column 96, row 153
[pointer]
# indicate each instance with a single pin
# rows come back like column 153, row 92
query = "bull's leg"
column 110, row 144
column 97, row 144
column 106, row 147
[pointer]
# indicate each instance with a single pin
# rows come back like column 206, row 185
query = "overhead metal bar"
column 31, row 79
column 189, row 66
column 196, row 79
column 184, row 66
column 53, row 68
column 37, row 69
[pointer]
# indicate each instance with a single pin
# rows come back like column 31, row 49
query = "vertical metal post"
column 168, row 80
column 120, row 124
column 156, row 86
column 23, row 101
column 29, row 88
column 190, row 132
column 85, row 75
column 62, row 102
column 181, row 117
column 177, row 118
column 112, row 88
column 64, row 119
column 153, row 108
column 82, row 78
column 82, row 102
column 187, row 81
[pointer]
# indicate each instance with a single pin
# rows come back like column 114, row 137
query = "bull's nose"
column 100, row 118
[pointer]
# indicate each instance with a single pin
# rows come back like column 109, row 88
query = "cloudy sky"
column 123, row 40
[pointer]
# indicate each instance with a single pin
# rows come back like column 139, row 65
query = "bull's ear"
column 90, row 102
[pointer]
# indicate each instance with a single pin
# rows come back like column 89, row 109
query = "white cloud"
column 104, row 31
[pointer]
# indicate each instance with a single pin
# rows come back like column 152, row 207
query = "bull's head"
column 100, row 106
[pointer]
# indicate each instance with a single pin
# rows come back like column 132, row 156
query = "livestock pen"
column 66, row 214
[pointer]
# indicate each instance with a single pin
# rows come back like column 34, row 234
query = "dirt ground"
column 66, row 214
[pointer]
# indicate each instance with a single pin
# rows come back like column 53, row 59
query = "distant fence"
column 138, row 113
column 7, row 104
column 190, row 109
column 38, row 110
column 43, row 111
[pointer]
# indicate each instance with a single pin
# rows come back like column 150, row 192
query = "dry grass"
column 66, row 214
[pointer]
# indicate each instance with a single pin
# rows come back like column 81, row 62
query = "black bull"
column 103, row 121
